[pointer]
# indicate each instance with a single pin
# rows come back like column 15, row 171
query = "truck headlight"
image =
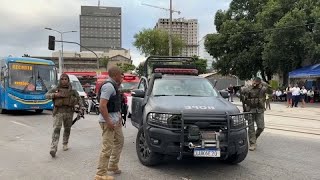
column 238, row 121
column 160, row 119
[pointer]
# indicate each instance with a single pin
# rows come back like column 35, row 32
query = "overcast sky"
column 23, row 21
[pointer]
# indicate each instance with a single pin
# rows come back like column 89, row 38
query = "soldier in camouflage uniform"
column 64, row 99
column 253, row 98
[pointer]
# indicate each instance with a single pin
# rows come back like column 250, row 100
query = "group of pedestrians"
column 293, row 95
column 296, row 94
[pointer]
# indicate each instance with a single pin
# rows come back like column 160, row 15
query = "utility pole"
column 170, row 22
column 61, row 61
column 170, row 30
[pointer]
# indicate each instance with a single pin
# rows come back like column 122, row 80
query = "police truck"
column 179, row 113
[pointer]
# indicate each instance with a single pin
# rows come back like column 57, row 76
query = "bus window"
column 29, row 77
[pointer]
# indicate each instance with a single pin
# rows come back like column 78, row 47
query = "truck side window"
column 142, row 85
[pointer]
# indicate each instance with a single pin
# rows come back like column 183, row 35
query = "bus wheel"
column 2, row 111
column 39, row 111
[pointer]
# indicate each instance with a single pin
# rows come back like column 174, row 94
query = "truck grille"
column 203, row 121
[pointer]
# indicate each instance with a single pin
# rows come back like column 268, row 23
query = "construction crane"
column 167, row 9
column 170, row 22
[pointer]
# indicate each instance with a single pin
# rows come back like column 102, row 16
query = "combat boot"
column 115, row 170
column 97, row 177
column 53, row 152
column 252, row 147
column 65, row 147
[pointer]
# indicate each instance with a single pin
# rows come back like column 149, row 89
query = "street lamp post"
column 61, row 62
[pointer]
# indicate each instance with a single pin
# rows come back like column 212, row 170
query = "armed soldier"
column 65, row 99
column 253, row 100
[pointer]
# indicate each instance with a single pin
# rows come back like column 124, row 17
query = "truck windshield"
column 31, row 77
column 183, row 87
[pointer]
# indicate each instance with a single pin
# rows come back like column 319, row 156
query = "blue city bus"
column 24, row 82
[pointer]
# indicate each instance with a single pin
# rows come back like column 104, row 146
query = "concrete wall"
column 224, row 81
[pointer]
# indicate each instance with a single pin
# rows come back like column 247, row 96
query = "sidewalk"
column 296, row 119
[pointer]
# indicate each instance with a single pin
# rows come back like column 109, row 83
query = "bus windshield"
column 31, row 77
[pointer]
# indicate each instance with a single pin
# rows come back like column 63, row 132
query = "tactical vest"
column 69, row 98
column 256, row 98
column 114, row 103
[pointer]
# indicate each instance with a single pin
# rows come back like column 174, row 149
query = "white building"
column 86, row 60
column 87, row 54
column 203, row 54
column 187, row 29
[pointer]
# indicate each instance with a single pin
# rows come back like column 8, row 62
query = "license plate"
column 198, row 152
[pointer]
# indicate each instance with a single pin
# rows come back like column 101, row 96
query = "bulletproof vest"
column 256, row 98
column 114, row 103
column 68, row 98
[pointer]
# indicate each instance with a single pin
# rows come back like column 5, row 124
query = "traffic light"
column 51, row 42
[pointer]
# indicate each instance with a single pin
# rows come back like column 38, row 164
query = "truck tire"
column 237, row 158
column 145, row 155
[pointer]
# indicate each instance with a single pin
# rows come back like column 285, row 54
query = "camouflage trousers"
column 60, row 119
column 257, row 118
column 112, row 144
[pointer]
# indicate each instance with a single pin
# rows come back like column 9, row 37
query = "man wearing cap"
column 254, row 98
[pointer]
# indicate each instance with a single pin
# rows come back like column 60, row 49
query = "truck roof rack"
column 177, row 62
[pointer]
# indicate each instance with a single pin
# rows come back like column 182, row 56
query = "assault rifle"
column 80, row 114
column 243, row 100
column 124, row 108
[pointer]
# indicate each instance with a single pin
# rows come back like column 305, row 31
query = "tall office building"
column 186, row 29
column 100, row 28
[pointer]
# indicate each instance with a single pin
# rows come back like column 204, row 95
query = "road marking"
column 21, row 124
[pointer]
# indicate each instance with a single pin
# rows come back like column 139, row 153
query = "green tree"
column 104, row 62
column 156, row 42
column 139, row 69
column 295, row 40
column 125, row 67
column 267, row 36
column 201, row 64
column 235, row 47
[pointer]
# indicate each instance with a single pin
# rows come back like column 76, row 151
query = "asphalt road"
column 25, row 141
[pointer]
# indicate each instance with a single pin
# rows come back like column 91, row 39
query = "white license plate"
column 206, row 152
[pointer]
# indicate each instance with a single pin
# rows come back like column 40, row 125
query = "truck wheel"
column 39, row 111
column 237, row 158
column 145, row 155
